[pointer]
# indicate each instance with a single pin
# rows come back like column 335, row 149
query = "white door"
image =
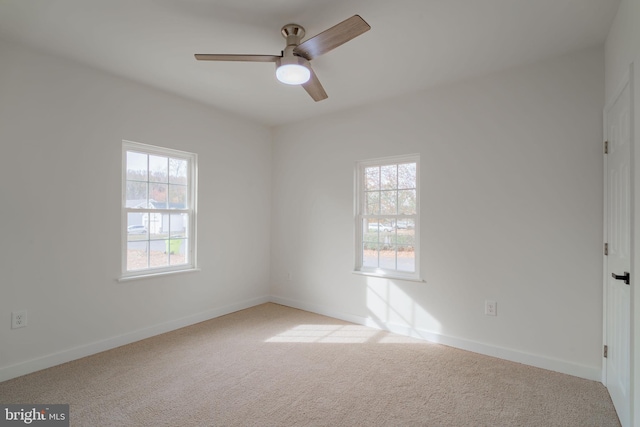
column 618, row 293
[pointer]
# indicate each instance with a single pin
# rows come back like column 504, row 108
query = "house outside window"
column 158, row 210
column 387, row 217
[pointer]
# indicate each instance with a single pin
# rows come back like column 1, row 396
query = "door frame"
column 627, row 79
column 634, row 77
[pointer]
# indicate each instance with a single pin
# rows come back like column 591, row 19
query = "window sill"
column 158, row 274
column 389, row 276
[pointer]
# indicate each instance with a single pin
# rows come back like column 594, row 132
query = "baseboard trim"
column 33, row 365
column 75, row 353
column 538, row 361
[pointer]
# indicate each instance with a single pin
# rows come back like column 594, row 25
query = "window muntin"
column 387, row 217
column 159, row 188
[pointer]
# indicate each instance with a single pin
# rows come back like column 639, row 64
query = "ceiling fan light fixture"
column 293, row 70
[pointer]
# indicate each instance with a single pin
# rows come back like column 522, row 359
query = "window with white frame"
column 158, row 210
column 387, row 217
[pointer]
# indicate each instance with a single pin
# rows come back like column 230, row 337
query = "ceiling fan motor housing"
column 293, row 33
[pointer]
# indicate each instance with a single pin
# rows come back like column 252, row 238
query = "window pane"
column 372, row 178
column 158, row 195
column 174, row 246
column 372, row 231
column 406, row 258
column 137, row 255
column 389, row 177
column 388, row 202
column 407, row 202
column 404, row 224
column 178, row 171
column 158, row 168
column 165, row 227
column 137, row 166
column 158, row 256
column 177, row 252
column 370, row 255
column 407, row 175
column 406, row 237
column 369, row 231
column 379, row 231
column 183, row 250
column 177, row 196
column 388, row 232
column 137, row 226
column 155, row 224
column 388, row 258
column 136, row 196
column 178, row 225
column 372, row 203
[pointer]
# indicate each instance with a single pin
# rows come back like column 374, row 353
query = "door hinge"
column 606, row 350
column 606, row 249
column 606, row 147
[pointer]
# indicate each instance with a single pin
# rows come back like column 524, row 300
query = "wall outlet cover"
column 490, row 308
column 18, row 319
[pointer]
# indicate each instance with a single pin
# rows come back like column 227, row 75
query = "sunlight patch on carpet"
column 335, row 334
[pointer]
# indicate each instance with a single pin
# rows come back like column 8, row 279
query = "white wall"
column 622, row 49
column 622, row 46
column 511, row 211
column 61, row 127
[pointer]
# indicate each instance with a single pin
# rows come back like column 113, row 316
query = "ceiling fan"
column 292, row 65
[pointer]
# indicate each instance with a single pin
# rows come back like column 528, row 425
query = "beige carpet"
column 277, row 366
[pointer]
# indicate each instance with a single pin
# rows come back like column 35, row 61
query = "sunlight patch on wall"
column 389, row 305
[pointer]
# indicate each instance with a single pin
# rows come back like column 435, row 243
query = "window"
column 387, row 217
column 158, row 210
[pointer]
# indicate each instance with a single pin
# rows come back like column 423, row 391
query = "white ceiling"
column 412, row 44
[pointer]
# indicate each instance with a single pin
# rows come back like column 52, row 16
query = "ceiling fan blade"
column 247, row 58
column 332, row 38
column 314, row 88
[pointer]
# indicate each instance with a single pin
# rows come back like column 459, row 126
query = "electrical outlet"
column 490, row 308
column 18, row 319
